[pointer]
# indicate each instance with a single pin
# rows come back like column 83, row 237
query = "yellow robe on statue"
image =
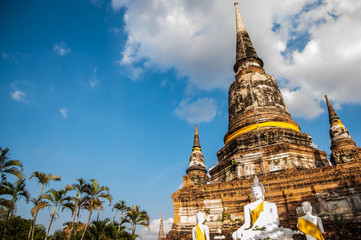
column 199, row 234
column 256, row 212
column 309, row 228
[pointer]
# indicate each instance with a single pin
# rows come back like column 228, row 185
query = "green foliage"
column 9, row 166
column 3, row 213
column 137, row 217
column 258, row 228
column 290, row 195
column 18, row 228
column 89, row 196
column 234, row 162
column 338, row 220
column 226, row 216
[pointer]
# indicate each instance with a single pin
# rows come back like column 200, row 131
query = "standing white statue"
column 201, row 231
column 309, row 224
column 261, row 218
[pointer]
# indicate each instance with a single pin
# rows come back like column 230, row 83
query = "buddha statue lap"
column 261, row 219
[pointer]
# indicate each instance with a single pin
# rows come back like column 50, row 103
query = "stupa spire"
column 239, row 21
column 161, row 230
column 196, row 143
column 342, row 146
column 246, row 55
column 333, row 118
column 196, row 160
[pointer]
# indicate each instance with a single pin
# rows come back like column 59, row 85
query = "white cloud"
column 18, row 95
column 64, row 112
column 61, row 48
column 117, row 4
column 202, row 110
column 154, row 229
column 197, row 38
column 300, row 104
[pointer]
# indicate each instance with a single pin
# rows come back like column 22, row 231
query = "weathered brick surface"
column 288, row 190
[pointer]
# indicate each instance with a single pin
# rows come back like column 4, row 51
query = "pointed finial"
column 161, row 230
column 196, row 144
column 246, row 55
column 331, row 112
column 239, row 21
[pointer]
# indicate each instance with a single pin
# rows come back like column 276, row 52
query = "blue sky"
column 112, row 89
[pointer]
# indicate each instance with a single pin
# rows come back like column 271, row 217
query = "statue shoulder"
column 270, row 204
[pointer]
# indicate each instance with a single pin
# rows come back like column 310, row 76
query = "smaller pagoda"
column 196, row 172
column 343, row 148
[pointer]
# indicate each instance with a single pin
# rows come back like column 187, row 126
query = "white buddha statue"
column 310, row 225
column 201, row 231
column 261, row 218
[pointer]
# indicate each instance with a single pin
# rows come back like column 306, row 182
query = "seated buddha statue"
column 261, row 218
column 201, row 231
column 310, row 225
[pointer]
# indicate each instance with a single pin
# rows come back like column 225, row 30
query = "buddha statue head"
column 201, row 217
column 257, row 189
column 307, row 207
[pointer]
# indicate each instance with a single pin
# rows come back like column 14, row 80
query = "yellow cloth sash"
column 338, row 123
column 309, row 228
column 256, row 212
column 261, row 125
column 199, row 233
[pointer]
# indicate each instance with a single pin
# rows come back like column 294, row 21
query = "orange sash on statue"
column 199, row 233
column 309, row 228
column 256, row 212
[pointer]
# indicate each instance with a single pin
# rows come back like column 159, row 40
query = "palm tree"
column 98, row 204
column 44, row 179
column 136, row 217
column 80, row 188
column 100, row 230
column 38, row 205
column 55, row 198
column 95, row 193
column 119, row 206
column 8, row 166
column 16, row 192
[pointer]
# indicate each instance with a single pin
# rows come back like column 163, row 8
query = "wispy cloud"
column 61, row 48
column 117, row 4
column 18, row 95
column 94, row 80
column 97, row 3
column 4, row 55
column 64, row 112
column 202, row 110
column 154, row 229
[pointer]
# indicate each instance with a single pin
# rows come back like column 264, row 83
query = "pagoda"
column 343, row 148
column 262, row 137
